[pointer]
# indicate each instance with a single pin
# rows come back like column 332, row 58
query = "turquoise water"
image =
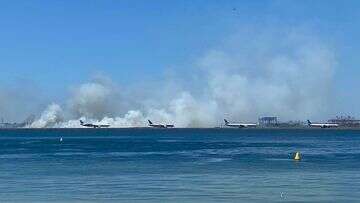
column 179, row 165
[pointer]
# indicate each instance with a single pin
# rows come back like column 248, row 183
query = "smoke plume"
column 91, row 100
column 286, row 74
column 49, row 118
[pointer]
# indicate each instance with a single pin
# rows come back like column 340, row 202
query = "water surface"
column 179, row 165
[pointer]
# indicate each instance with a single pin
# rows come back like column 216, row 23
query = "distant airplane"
column 160, row 125
column 322, row 125
column 91, row 125
column 239, row 125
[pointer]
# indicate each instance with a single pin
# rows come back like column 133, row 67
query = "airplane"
column 90, row 125
column 239, row 125
column 322, row 125
column 159, row 125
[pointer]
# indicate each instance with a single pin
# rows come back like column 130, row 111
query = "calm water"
column 179, row 165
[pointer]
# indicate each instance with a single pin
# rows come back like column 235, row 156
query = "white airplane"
column 160, row 125
column 240, row 125
column 91, row 125
column 322, row 125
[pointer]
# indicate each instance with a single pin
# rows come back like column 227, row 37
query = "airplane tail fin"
column 309, row 122
column 81, row 122
column 226, row 122
column 150, row 122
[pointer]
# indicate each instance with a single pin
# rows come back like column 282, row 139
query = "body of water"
column 179, row 165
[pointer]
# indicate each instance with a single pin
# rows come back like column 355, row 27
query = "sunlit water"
column 179, row 165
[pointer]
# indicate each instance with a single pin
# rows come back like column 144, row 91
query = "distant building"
column 268, row 121
column 346, row 121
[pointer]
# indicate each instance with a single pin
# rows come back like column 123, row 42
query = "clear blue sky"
column 56, row 44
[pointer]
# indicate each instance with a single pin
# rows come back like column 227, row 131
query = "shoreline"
column 208, row 128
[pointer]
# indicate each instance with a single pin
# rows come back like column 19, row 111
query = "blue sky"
column 53, row 45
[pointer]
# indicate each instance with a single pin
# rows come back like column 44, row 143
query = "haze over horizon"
column 191, row 63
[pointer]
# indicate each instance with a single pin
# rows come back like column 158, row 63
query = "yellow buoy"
column 297, row 156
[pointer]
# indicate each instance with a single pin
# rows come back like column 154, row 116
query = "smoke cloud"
column 49, row 118
column 286, row 73
column 19, row 99
column 91, row 100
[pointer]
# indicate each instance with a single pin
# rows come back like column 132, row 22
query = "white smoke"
column 49, row 118
column 131, row 119
column 91, row 100
column 186, row 111
column 19, row 99
column 284, row 75
column 291, row 85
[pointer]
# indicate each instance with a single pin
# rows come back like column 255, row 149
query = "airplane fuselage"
column 241, row 125
column 161, row 126
column 90, row 125
column 324, row 125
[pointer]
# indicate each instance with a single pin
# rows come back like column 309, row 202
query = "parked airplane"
column 322, row 125
column 160, row 125
column 91, row 125
column 239, row 125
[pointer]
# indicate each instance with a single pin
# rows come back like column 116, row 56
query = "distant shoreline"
column 213, row 128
